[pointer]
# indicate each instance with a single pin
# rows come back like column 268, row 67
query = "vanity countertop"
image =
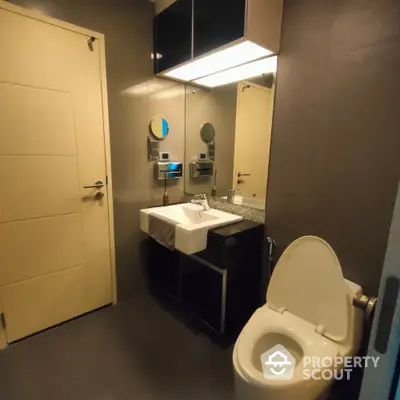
column 252, row 214
column 234, row 244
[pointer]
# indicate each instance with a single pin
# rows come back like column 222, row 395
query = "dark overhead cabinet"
column 188, row 29
column 217, row 23
column 173, row 35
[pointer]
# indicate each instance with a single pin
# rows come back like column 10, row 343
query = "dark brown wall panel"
column 335, row 156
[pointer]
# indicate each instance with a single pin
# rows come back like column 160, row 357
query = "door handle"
column 240, row 174
column 96, row 185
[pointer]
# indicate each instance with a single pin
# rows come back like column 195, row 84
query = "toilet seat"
column 308, row 313
column 303, row 333
column 308, row 282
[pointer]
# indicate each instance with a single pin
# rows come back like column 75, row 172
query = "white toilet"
column 309, row 311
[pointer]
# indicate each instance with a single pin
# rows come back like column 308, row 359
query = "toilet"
column 309, row 312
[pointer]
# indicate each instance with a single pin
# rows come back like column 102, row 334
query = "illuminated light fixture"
column 227, row 58
column 157, row 56
column 251, row 70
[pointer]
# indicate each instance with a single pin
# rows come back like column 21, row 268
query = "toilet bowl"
column 309, row 312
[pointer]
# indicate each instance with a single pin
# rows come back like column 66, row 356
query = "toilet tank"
column 355, row 327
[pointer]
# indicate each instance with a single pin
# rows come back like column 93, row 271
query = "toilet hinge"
column 279, row 310
column 320, row 329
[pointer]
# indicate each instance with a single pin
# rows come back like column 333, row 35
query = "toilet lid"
column 308, row 282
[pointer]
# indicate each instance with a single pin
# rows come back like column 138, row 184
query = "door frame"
column 254, row 85
column 106, row 129
column 384, row 382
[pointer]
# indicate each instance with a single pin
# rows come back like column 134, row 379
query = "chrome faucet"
column 201, row 200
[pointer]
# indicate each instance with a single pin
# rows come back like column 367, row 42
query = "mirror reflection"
column 207, row 132
column 228, row 135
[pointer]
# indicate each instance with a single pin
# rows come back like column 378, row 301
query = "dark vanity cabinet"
column 173, row 35
column 203, row 291
column 217, row 23
column 163, row 269
column 222, row 285
column 233, row 265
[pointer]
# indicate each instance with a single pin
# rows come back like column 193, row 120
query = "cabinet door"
column 163, row 269
column 204, row 291
column 173, row 35
column 217, row 23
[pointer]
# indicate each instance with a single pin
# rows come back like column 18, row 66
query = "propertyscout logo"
column 278, row 364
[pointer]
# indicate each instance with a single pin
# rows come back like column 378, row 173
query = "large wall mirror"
column 228, row 136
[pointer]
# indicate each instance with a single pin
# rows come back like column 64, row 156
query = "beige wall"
column 138, row 176
column 217, row 106
column 162, row 4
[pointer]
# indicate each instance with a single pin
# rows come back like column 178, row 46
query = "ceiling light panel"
column 219, row 61
column 256, row 68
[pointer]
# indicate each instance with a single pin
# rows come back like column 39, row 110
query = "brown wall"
column 127, row 25
column 335, row 161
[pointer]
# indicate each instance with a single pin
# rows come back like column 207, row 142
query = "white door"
column 55, row 260
column 252, row 139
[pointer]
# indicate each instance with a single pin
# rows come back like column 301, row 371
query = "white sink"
column 193, row 224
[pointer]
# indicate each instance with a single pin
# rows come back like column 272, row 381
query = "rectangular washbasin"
column 192, row 224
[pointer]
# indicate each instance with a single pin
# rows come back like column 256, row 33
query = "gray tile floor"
column 136, row 350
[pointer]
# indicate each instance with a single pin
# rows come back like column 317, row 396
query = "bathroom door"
column 55, row 252
column 383, row 382
column 252, row 139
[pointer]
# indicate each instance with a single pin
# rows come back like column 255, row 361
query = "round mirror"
column 159, row 127
column 207, row 132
